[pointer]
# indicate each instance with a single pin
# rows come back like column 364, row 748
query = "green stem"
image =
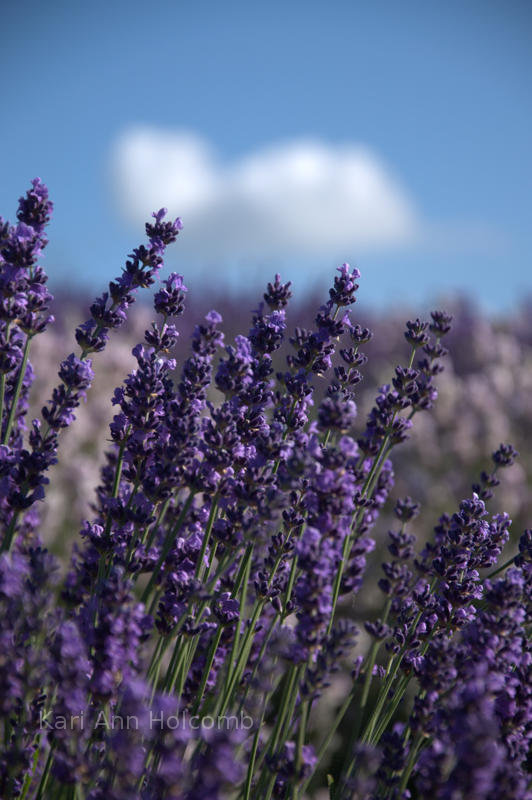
column 29, row 777
column 16, row 394
column 286, row 716
column 155, row 676
column 242, row 578
column 157, row 656
column 252, row 757
column 175, row 667
column 46, row 772
column 242, row 575
column 206, row 537
column 395, row 664
column 167, row 546
column 120, row 463
column 258, row 662
column 243, row 572
column 398, row 696
column 246, row 647
column 290, row 586
column 207, row 670
column 301, row 735
column 368, row 678
column 501, row 568
column 234, row 673
column 10, row 533
column 289, row 713
column 414, row 750
column 346, row 548
column 330, row 733
column 2, row 398
column 275, row 734
column 149, row 535
column 367, row 488
column 372, row 657
column 399, row 693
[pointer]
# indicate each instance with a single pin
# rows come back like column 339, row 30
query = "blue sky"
column 426, row 106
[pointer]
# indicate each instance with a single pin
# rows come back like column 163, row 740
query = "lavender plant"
column 210, row 602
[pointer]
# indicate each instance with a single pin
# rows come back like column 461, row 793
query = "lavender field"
column 259, row 547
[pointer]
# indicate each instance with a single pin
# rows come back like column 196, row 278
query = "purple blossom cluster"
column 209, row 605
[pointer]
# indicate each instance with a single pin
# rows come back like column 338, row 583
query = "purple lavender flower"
column 109, row 311
column 24, row 302
column 286, row 770
column 26, row 583
column 479, row 724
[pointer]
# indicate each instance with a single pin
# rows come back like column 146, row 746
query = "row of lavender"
column 483, row 399
column 208, row 604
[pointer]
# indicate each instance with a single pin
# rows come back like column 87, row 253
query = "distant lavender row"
column 202, row 643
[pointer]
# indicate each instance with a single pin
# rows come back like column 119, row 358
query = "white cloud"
column 299, row 198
